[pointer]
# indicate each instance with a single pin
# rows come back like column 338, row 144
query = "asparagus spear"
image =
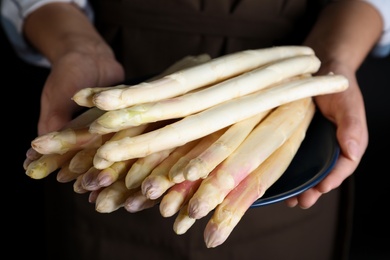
column 31, row 155
column 157, row 182
column 84, row 97
column 269, row 135
column 82, row 160
column 137, row 201
column 68, row 139
column 188, row 79
column 142, row 167
column 47, row 164
column 176, row 172
column 85, row 118
column 89, row 179
column 101, row 163
column 227, row 214
column 92, row 197
column 202, row 165
column 203, row 123
column 112, row 197
column 82, row 120
column 78, row 187
column 191, row 103
column 116, row 171
column 182, row 221
column 178, row 196
column 65, row 174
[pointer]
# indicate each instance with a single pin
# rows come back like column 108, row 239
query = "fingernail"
column 353, row 150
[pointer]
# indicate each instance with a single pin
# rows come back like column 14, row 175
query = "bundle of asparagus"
column 208, row 135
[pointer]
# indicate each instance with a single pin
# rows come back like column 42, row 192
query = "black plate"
column 315, row 158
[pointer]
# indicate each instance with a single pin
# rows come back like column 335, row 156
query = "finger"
column 308, row 198
column 352, row 135
column 55, row 116
column 343, row 168
column 292, row 202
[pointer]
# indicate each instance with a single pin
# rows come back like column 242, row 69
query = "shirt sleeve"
column 13, row 13
column 382, row 48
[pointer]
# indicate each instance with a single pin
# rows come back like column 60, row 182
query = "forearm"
column 345, row 32
column 59, row 28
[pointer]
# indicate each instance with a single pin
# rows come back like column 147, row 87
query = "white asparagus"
column 31, row 155
column 47, row 164
column 92, row 197
column 137, row 201
column 89, row 180
column 116, row 171
column 85, row 118
column 65, row 140
column 203, row 123
column 188, row 79
column 101, row 163
column 81, row 121
column 78, row 187
column 176, row 172
column 65, row 174
column 268, row 136
column 182, row 221
column 142, row 167
column 84, row 97
column 184, row 63
column 157, row 182
column 227, row 214
column 96, row 128
column 82, row 160
column 112, row 197
column 177, row 196
column 184, row 105
column 202, row 165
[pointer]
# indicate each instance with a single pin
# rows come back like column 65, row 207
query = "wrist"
column 345, row 33
column 58, row 29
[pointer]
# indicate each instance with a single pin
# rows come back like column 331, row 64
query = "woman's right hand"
column 78, row 55
column 69, row 74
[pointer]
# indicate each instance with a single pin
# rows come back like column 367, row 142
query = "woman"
column 132, row 39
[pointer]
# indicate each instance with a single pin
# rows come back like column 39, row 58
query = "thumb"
column 56, row 116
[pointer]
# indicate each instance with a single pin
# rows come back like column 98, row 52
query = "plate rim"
column 318, row 177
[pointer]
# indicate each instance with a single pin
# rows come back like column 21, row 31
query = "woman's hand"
column 78, row 55
column 69, row 74
column 342, row 39
column 346, row 110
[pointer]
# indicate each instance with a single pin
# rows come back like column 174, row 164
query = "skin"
column 342, row 38
column 80, row 59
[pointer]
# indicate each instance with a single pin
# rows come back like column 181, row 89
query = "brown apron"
column 147, row 37
column 170, row 30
